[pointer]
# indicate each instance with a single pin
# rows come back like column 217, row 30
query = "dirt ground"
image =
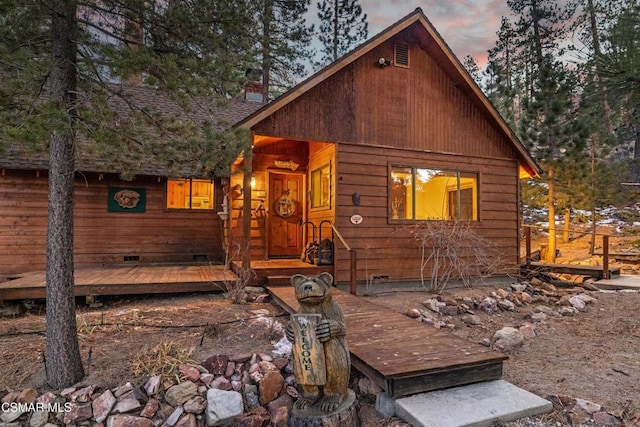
column 593, row 355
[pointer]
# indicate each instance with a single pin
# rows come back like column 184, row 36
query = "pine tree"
column 472, row 68
column 343, row 25
column 284, row 43
column 62, row 65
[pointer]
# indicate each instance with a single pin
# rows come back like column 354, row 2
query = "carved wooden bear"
column 315, row 297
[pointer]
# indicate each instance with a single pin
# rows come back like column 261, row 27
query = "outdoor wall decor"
column 127, row 199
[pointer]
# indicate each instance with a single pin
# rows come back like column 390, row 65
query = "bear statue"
column 315, row 298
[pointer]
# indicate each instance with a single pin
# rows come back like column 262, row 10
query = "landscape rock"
column 221, row 383
column 172, row 420
column 39, row 418
column 605, row 419
column 222, row 406
column 489, row 305
column 119, row 391
column 152, row 386
column 102, row 405
column 577, row 303
column 128, row 421
column 217, row 364
column 83, row 395
column 180, row 393
column 195, row 405
column 126, row 403
column 528, row 331
column 28, row 395
column 150, row 408
column 507, row 339
column 472, row 320
column 187, row 420
column 270, row 387
column 189, row 372
column 588, row 299
column 77, row 412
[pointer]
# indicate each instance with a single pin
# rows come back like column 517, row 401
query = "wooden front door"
column 285, row 203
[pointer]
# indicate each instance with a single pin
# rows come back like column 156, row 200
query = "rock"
column 433, row 305
column 207, row 378
column 507, row 339
column 413, row 313
column 189, row 372
column 231, row 369
column 217, row 364
column 489, row 305
column 449, row 310
column 39, row 418
column 518, row 287
column 102, row 405
column 152, row 386
column 472, row 320
column 46, row 398
column 187, row 420
column 270, row 386
column 67, row 392
column 150, row 408
column 588, row 299
column 587, row 406
column 604, row 419
column 119, row 391
column 528, row 331
column 128, row 421
column 180, row 393
column 507, row 305
column 77, row 412
column 538, row 317
column 172, row 420
column 368, row 387
column 28, row 395
column 265, row 357
column 577, row 303
column 267, row 366
column 126, row 403
column 568, row 311
column 502, row 293
column 221, row 383
column 83, row 394
column 222, row 406
column 281, row 362
column 195, row 405
column 10, row 416
column 253, row 401
column 240, row 358
column 544, row 309
column 279, row 417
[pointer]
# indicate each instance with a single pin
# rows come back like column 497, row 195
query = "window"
column 321, row 187
column 189, row 193
column 433, row 194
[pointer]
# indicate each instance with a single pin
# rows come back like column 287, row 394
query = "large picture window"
column 189, row 193
column 433, row 194
column 321, row 187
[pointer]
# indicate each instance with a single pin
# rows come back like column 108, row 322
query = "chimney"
column 253, row 87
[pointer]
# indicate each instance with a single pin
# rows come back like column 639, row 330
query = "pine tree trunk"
column 567, row 225
column 63, row 362
column 551, row 254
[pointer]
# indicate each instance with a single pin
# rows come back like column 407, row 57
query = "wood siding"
column 418, row 107
column 387, row 248
column 102, row 237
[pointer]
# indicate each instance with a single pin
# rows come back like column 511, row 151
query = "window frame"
column 459, row 187
column 190, row 208
column 312, row 188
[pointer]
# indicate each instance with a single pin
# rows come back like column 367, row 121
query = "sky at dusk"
column 468, row 26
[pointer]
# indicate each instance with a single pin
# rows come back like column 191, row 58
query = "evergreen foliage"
column 343, row 25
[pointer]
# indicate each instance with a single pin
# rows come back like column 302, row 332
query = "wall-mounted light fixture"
column 355, row 198
column 253, row 181
column 383, row 62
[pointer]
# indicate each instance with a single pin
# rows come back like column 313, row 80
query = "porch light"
column 253, row 181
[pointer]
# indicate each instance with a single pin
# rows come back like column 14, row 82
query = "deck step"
column 282, row 280
column 481, row 404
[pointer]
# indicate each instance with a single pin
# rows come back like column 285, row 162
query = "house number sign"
column 356, row 219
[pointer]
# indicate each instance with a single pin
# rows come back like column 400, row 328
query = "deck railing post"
column 527, row 239
column 605, row 257
column 353, row 269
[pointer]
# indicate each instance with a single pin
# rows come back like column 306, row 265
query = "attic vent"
column 132, row 258
column 402, row 55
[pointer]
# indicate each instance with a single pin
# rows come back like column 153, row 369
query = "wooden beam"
column 246, row 205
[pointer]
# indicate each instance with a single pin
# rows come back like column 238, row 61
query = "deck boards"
column 402, row 355
column 121, row 280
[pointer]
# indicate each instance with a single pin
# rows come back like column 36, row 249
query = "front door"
column 286, row 202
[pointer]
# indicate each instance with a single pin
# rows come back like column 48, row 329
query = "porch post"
column 246, row 205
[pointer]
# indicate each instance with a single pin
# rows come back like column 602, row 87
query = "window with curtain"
column 432, row 194
column 189, row 193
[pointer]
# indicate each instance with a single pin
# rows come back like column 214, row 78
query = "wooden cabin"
column 153, row 218
column 393, row 134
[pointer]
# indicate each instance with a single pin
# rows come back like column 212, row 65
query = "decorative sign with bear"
column 320, row 354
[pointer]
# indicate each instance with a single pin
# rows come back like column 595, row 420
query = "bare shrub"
column 235, row 288
column 453, row 249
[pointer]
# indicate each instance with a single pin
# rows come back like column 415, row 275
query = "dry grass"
column 163, row 359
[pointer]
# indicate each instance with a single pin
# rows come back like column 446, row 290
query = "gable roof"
column 121, row 102
column 435, row 46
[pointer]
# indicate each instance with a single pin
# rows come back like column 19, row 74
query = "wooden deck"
column 402, row 355
column 278, row 272
column 123, row 280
